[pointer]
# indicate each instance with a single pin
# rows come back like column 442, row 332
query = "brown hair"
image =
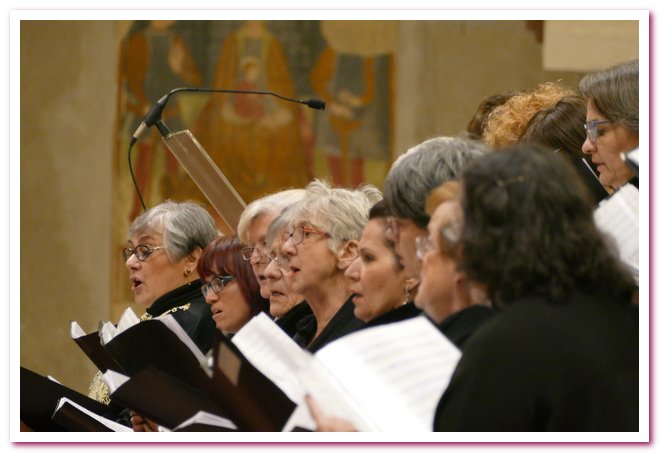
column 224, row 255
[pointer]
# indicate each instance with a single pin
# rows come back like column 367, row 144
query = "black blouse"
column 187, row 305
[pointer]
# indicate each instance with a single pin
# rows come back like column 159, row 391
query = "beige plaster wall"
column 447, row 67
column 67, row 118
column 68, row 89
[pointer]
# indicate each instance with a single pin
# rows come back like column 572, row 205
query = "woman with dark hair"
column 560, row 127
column 381, row 291
column 562, row 355
column 230, row 287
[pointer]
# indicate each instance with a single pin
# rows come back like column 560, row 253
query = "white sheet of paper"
column 76, row 330
column 114, row 426
column 274, row 354
column 208, row 419
column 396, row 372
column 618, row 216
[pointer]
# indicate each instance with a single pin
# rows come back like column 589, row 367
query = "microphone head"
column 315, row 104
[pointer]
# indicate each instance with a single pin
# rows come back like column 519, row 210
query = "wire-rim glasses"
column 248, row 252
column 300, row 232
column 592, row 128
column 141, row 251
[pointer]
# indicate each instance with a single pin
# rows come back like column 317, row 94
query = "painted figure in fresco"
column 254, row 139
column 355, row 126
column 154, row 60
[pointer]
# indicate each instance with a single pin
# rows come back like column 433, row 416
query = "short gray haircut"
column 615, row 93
column 423, row 168
column 341, row 212
column 270, row 204
column 184, row 226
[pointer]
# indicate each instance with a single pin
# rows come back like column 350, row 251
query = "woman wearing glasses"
column 324, row 229
column 230, row 287
column 164, row 245
column 252, row 227
column 612, row 122
column 286, row 306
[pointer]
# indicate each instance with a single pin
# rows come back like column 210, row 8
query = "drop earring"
column 406, row 295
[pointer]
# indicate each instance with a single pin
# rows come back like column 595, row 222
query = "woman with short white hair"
column 322, row 240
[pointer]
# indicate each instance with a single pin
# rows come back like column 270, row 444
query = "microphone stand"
column 196, row 161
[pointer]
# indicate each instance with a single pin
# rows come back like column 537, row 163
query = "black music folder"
column 40, row 396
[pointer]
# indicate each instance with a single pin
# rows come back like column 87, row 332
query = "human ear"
column 347, row 254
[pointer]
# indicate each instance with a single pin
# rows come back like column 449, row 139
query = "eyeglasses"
column 141, row 251
column 282, row 261
column 423, row 245
column 217, row 284
column 299, row 234
column 248, row 252
column 592, row 129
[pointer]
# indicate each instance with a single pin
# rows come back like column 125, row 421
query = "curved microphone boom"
column 153, row 116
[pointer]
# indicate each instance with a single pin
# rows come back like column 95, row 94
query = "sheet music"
column 108, row 330
column 76, row 330
column 205, row 418
column 385, row 378
column 127, row 320
column 175, row 327
column 114, row 426
column 274, row 354
column 114, row 380
column 404, row 366
column 618, row 216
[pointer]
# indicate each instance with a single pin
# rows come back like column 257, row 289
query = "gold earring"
column 406, row 295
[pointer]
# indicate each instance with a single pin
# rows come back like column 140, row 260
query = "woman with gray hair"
column 252, row 227
column 286, row 306
column 612, row 121
column 164, row 245
column 324, row 229
column 410, row 180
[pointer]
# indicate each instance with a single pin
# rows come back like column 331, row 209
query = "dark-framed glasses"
column 592, row 128
column 301, row 232
column 141, row 251
column 217, row 284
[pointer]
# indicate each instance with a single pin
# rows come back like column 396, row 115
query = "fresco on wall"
column 261, row 143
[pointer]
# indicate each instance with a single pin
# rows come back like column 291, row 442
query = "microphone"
column 153, row 116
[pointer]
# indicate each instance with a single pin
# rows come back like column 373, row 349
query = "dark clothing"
column 186, row 304
column 406, row 311
column 459, row 326
column 540, row 366
column 342, row 323
column 289, row 322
